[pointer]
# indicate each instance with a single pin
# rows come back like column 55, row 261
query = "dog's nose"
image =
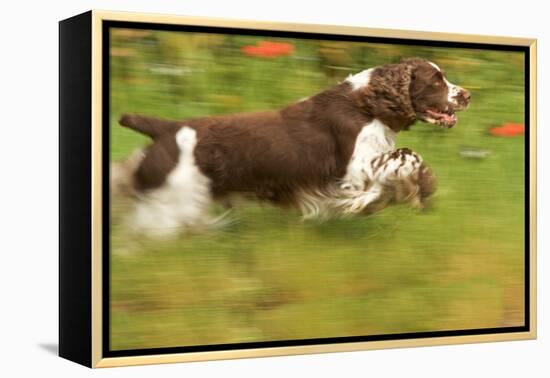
column 462, row 98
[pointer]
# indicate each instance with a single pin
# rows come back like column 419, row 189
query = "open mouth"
column 446, row 118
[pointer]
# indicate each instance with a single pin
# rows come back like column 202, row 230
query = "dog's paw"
column 346, row 186
column 351, row 186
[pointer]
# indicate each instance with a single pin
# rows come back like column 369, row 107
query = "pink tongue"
column 447, row 117
column 444, row 116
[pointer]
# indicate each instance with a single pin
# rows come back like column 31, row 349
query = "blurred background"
column 269, row 276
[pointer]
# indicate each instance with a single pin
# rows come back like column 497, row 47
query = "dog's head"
column 414, row 89
column 434, row 99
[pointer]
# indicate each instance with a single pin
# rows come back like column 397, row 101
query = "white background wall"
column 28, row 185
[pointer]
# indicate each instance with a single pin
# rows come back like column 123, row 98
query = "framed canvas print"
column 235, row 189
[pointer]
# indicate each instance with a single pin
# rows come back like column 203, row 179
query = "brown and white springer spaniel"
column 308, row 155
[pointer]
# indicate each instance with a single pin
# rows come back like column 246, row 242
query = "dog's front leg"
column 357, row 174
column 357, row 201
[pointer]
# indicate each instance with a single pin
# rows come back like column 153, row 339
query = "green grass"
column 269, row 276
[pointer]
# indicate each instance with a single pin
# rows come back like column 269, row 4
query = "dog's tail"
column 150, row 126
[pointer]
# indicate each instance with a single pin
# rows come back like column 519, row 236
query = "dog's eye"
column 437, row 84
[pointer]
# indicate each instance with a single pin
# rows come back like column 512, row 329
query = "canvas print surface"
column 426, row 234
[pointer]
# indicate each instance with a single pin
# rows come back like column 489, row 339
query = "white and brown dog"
column 298, row 156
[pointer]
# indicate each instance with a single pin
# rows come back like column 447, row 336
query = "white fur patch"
column 182, row 202
column 319, row 204
column 453, row 91
column 334, row 201
column 361, row 79
column 375, row 138
column 435, row 66
column 356, row 201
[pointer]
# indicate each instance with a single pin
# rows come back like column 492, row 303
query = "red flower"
column 267, row 49
column 508, row 130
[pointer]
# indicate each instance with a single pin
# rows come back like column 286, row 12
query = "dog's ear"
column 387, row 96
column 412, row 64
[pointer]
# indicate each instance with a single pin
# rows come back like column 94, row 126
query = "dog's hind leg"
column 122, row 173
column 182, row 202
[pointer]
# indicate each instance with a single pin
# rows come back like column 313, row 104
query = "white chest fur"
column 374, row 139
